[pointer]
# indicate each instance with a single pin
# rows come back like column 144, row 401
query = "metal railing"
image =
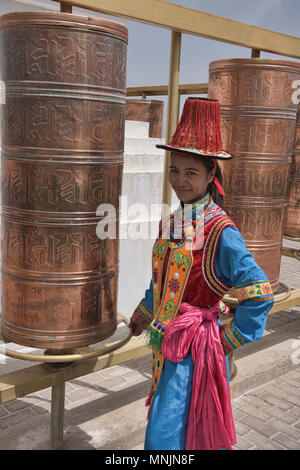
column 162, row 90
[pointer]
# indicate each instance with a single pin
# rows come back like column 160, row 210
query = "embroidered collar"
column 202, row 201
column 195, row 210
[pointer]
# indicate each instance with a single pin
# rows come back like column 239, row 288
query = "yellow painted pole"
column 165, row 14
column 184, row 89
column 172, row 113
column 65, row 8
column 255, row 53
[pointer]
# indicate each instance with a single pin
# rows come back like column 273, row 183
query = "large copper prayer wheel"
column 62, row 156
column 147, row 111
column 292, row 215
column 258, row 125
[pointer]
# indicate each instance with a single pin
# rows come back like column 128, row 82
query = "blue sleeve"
column 236, row 267
column 143, row 314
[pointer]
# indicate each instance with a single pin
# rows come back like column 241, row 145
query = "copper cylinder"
column 147, row 111
column 292, row 215
column 62, row 156
column 258, row 123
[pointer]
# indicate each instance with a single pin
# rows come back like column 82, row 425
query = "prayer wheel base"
column 58, row 341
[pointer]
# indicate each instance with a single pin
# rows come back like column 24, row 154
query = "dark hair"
column 212, row 188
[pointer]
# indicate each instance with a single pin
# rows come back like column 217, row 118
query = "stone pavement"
column 268, row 417
column 105, row 410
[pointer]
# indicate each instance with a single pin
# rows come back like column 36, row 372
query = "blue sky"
column 148, row 49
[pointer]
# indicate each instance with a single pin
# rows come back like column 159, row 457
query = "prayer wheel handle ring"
column 63, row 358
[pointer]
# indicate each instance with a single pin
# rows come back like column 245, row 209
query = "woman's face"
column 188, row 177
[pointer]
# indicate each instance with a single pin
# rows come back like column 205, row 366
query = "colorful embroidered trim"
column 230, row 337
column 179, row 267
column 209, row 255
column 142, row 315
column 248, row 283
column 149, row 401
column 259, row 290
column 227, row 347
column 158, row 256
column 225, row 310
column 157, row 366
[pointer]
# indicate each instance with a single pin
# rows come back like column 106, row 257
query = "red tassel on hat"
column 217, row 182
column 219, row 186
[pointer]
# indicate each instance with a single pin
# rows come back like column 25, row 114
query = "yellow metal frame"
column 194, row 22
column 183, row 89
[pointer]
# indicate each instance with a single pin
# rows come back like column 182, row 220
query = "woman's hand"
column 136, row 329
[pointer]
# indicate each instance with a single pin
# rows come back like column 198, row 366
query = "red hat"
column 199, row 130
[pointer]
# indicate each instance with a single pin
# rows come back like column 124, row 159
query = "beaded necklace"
column 187, row 221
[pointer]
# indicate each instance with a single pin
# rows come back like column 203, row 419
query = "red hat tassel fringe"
column 199, row 128
column 220, row 188
column 217, row 182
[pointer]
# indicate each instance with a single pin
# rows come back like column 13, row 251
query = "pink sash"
column 210, row 422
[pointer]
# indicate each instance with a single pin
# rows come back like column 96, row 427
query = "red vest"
column 204, row 288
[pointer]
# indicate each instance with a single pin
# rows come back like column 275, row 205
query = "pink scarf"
column 210, row 422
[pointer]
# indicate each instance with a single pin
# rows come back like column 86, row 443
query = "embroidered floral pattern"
column 266, row 289
column 241, row 294
column 174, row 285
column 255, row 290
column 169, row 309
column 155, row 275
column 181, row 259
column 165, row 316
column 170, row 306
column 159, row 249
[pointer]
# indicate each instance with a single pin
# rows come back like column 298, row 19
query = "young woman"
column 198, row 256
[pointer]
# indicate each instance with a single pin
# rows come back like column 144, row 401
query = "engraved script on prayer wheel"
column 292, row 215
column 62, row 156
column 147, row 111
column 258, row 126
